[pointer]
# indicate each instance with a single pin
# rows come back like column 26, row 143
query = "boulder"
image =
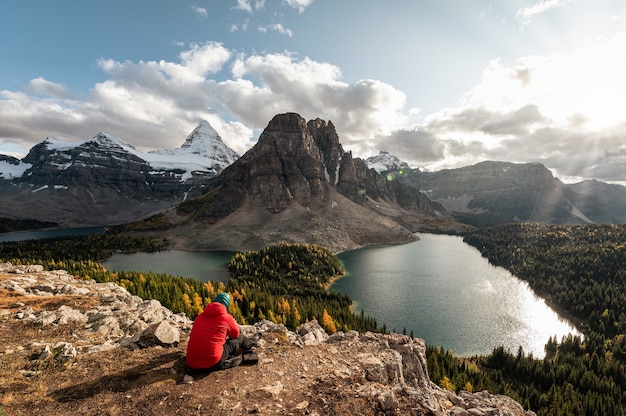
column 161, row 333
column 311, row 333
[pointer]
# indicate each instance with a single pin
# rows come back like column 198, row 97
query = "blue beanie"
column 223, row 298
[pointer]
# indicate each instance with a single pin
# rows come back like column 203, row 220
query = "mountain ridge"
column 105, row 180
column 496, row 192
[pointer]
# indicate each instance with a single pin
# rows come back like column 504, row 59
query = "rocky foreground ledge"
column 71, row 346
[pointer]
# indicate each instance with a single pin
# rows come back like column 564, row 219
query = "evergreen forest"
column 579, row 270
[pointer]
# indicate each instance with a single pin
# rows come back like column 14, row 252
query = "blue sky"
column 439, row 83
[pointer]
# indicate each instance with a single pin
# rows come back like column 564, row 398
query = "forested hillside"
column 580, row 270
column 9, row 224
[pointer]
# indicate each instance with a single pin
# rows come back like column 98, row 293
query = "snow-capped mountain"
column 203, row 143
column 106, row 168
column 385, row 162
column 203, row 153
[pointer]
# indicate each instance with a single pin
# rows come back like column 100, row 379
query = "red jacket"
column 208, row 336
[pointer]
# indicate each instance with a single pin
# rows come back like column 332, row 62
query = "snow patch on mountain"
column 11, row 167
column 56, row 145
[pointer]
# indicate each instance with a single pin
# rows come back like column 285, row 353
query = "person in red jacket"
column 215, row 340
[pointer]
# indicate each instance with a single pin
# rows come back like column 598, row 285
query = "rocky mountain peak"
column 286, row 123
column 284, row 166
column 385, row 161
column 503, row 191
column 288, row 137
column 204, row 141
column 327, row 141
column 105, row 180
column 108, row 141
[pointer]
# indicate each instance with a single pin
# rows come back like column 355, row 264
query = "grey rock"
column 26, row 313
column 162, row 334
column 311, row 333
column 43, row 288
column 458, row 411
column 387, row 400
column 31, row 268
column 92, row 349
column 64, row 352
column 72, row 290
column 46, row 318
column 66, row 314
column 108, row 326
column 30, row 373
column 151, row 311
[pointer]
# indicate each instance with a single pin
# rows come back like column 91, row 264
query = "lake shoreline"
column 446, row 293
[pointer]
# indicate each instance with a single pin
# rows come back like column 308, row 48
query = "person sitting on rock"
column 215, row 342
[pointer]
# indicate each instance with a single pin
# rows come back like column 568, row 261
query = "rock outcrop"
column 303, row 372
column 115, row 317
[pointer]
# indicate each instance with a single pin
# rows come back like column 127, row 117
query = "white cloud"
column 243, row 26
column 42, row 86
column 248, row 6
column 301, row 5
column 277, row 27
column 564, row 110
column 541, row 7
column 155, row 104
column 200, row 11
column 360, row 111
column 244, row 5
column 586, row 80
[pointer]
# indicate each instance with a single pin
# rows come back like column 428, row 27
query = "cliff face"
column 285, row 166
column 297, row 184
column 77, row 347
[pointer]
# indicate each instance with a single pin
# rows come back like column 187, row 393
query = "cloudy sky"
column 439, row 83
